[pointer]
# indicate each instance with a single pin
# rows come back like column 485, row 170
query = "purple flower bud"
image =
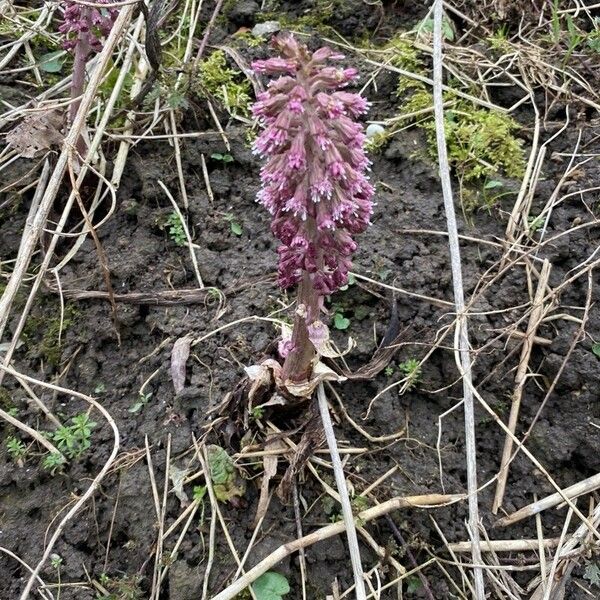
column 86, row 24
column 313, row 183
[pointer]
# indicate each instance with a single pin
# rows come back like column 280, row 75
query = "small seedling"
column 411, row 369
column 224, row 158
column 389, row 370
column 270, row 586
column 73, row 440
column 56, row 561
column 227, row 483
column 16, row 448
column 143, row 399
column 596, row 349
column 235, row 227
column 351, row 281
column 176, row 231
column 257, row 412
column 53, row 462
column 199, row 493
column 340, row 321
column 53, row 61
column 413, row 584
column 535, row 223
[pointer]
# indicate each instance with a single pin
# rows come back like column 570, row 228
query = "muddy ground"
column 113, row 538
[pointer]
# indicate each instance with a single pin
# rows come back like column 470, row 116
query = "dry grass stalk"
column 340, row 481
column 427, row 501
column 462, row 352
column 91, row 488
column 578, row 489
column 29, row 243
column 506, row 545
column 534, row 321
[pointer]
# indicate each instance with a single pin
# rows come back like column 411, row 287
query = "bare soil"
column 116, row 533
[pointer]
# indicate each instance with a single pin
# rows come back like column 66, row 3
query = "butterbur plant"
column 83, row 28
column 314, row 183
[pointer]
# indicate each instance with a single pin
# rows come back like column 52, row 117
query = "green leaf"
column 236, row 228
column 53, row 61
column 217, row 156
column 271, row 586
column 340, row 322
column 490, row 185
column 199, row 492
column 226, row 482
column 596, row 349
column 447, row 30
column 413, row 585
column 592, row 574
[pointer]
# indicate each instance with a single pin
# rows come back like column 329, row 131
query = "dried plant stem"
column 428, row 501
column 520, row 378
column 91, row 488
column 582, row 487
column 462, row 352
column 340, row 481
column 28, row 245
column 38, row 437
column 298, row 363
column 506, row 545
column 186, row 231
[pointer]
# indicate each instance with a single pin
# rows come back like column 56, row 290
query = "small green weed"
column 235, row 227
column 257, row 413
column 16, row 449
column 143, row 399
column 175, row 229
column 230, row 87
column 592, row 574
column 74, row 439
column 224, row 158
column 593, row 38
column 270, row 586
column 535, row 223
column 340, row 322
column 53, row 462
column 121, row 588
column 411, row 370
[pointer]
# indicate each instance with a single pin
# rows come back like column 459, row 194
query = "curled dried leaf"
column 36, row 133
column 179, row 356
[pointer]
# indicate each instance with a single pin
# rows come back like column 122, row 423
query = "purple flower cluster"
column 86, row 23
column 314, row 181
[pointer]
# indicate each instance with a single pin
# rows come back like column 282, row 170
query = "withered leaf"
column 179, row 356
column 270, row 466
column 36, row 133
column 227, row 484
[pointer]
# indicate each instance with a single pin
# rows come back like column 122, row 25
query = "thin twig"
column 340, row 481
column 520, row 379
column 462, row 352
column 329, row 531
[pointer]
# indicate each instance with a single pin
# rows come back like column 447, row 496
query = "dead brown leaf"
column 179, row 356
column 36, row 133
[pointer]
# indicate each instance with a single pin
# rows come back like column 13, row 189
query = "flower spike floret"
column 314, row 183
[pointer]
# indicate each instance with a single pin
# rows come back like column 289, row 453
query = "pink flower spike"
column 274, row 65
column 314, row 181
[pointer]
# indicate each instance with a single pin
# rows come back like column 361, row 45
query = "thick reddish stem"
column 82, row 51
column 298, row 363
